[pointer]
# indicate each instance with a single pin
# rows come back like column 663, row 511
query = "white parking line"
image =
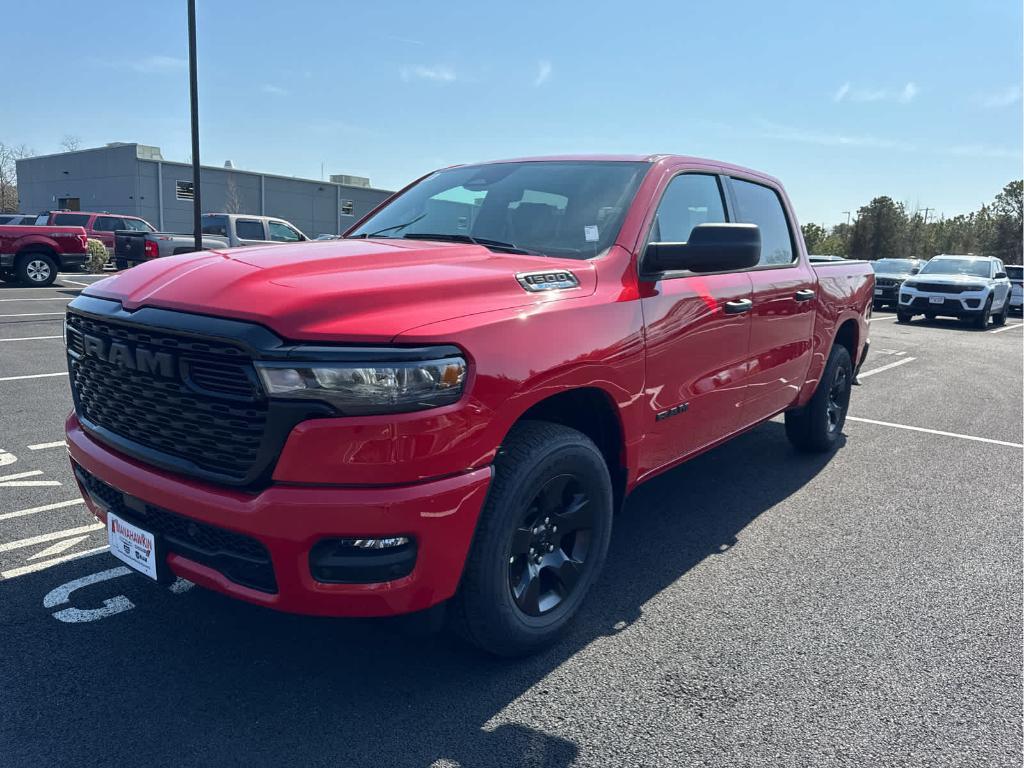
column 34, row 376
column 881, row 317
column 53, row 298
column 31, row 338
column 20, row 475
column 75, row 282
column 936, row 432
column 35, row 314
column 44, row 537
column 873, row 371
column 50, row 563
column 44, row 446
column 44, row 508
column 1006, row 328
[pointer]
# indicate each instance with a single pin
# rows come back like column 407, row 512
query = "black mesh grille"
column 241, row 558
column 209, row 413
column 885, row 282
column 944, row 288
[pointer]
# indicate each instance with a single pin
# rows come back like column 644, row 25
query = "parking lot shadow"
column 198, row 679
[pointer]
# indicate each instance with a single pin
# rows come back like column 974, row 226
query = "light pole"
column 197, row 206
column 847, row 217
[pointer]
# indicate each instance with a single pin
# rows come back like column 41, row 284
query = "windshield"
column 893, row 266
column 972, row 267
column 567, row 209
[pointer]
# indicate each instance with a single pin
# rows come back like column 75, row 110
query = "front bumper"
column 439, row 515
column 964, row 304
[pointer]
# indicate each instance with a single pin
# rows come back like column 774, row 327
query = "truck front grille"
column 944, row 288
column 240, row 558
column 199, row 403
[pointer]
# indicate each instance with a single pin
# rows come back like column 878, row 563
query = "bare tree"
column 9, row 175
column 232, row 201
column 70, row 143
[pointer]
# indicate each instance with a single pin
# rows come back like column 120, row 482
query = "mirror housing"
column 1000, row 274
column 718, row 247
column 915, row 270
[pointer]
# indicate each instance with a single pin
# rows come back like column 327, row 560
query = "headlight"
column 367, row 388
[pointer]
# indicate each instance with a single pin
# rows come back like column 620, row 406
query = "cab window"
column 249, row 229
column 282, row 233
column 758, row 204
column 108, row 224
column 690, row 199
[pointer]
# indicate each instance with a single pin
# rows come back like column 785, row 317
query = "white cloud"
column 799, row 135
column 543, row 73
column 1004, row 97
column 158, row 64
column 984, row 150
column 438, row 74
column 276, row 90
column 846, row 92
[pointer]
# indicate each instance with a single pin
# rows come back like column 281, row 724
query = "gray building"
column 134, row 179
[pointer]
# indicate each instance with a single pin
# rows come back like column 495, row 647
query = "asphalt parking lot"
column 759, row 607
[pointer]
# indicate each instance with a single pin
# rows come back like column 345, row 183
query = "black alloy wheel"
column 548, row 551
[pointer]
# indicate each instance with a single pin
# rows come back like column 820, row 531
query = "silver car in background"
column 1016, row 274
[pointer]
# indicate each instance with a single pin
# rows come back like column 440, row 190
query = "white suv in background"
column 1016, row 274
column 974, row 288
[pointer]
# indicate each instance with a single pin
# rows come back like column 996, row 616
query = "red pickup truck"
column 33, row 255
column 448, row 405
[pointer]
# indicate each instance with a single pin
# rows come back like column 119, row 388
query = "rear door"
column 104, row 227
column 785, row 298
column 250, row 231
column 697, row 329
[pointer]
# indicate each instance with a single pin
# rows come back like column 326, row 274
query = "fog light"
column 362, row 561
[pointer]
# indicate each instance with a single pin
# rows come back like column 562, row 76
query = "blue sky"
column 842, row 101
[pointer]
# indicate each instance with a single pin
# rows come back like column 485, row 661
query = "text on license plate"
column 935, row 299
column 133, row 545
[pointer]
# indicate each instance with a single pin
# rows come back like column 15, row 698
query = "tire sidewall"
column 839, row 357
column 22, row 269
column 490, row 591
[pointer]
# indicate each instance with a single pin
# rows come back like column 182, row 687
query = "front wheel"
column 981, row 320
column 1000, row 319
column 903, row 317
column 540, row 542
column 36, row 269
column 816, row 427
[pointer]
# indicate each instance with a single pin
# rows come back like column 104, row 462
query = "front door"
column 697, row 334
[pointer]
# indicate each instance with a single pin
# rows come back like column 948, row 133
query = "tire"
column 903, row 317
column 817, row 426
column 7, row 277
column 981, row 320
column 121, row 264
column 36, row 269
column 877, row 306
column 508, row 603
column 929, row 316
column 1000, row 319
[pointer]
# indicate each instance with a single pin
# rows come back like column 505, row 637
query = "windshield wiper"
column 460, row 238
column 393, row 227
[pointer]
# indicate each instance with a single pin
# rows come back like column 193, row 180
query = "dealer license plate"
column 133, row 545
column 935, row 300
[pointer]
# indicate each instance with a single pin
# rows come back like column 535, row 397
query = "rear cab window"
column 215, row 225
column 71, row 220
column 761, row 205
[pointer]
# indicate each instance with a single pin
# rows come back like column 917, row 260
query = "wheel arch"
column 592, row 411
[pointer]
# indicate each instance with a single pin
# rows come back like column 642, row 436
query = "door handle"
column 738, row 306
column 805, row 295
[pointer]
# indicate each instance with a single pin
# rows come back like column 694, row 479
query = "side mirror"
column 915, row 270
column 711, row 248
column 1000, row 274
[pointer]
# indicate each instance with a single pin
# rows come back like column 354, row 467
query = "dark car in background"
column 889, row 276
column 1016, row 274
column 98, row 226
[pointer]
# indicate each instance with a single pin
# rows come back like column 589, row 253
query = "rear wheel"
column 816, row 427
column 36, row 269
column 540, row 542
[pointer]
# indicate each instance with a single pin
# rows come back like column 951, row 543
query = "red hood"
column 354, row 290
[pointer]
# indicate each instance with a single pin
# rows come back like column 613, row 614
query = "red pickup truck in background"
column 33, row 255
column 99, row 226
column 448, row 405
